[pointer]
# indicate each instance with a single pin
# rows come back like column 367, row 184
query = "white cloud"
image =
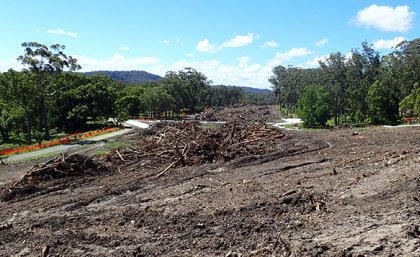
column 240, row 40
column 313, row 63
column 177, row 41
column 118, row 57
column 348, row 56
column 205, row 46
column 270, row 44
column 237, row 41
column 10, row 64
column 280, row 58
column 116, row 62
column 386, row 18
column 165, row 42
column 62, row 32
column 243, row 73
column 190, row 55
column 321, row 42
column 387, row 44
column 124, row 48
column 243, row 60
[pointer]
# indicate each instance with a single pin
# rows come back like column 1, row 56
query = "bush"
column 314, row 107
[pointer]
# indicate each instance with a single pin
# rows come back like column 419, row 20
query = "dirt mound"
column 58, row 168
column 241, row 113
column 187, row 144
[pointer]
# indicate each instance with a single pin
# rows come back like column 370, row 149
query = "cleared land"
column 232, row 190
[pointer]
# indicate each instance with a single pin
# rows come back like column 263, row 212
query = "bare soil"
column 341, row 192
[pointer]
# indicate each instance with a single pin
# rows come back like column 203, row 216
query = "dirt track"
column 341, row 193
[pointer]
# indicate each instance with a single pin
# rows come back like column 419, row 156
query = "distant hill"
column 249, row 90
column 138, row 77
column 130, row 77
column 255, row 90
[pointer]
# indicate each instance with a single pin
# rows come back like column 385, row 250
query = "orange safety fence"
column 68, row 139
column 411, row 120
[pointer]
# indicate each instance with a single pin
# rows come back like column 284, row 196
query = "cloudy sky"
column 235, row 42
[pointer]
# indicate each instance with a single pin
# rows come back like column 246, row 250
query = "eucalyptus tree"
column 362, row 71
column 189, row 89
column 45, row 63
column 334, row 69
column 407, row 65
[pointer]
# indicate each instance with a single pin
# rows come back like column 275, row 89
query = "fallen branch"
column 167, row 168
column 119, row 155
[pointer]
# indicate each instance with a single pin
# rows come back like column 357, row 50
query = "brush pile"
column 187, row 144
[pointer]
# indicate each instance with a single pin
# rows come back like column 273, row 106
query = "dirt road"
column 64, row 148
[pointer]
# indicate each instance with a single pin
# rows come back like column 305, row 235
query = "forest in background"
column 361, row 88
column 50, row 95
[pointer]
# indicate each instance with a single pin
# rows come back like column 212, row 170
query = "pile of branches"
column 60, row 167
column 186, row 144
column 239, row 113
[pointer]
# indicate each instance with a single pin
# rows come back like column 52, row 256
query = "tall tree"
column 334, row 69
column 45, row 63
column 406, row 62
column 188, row 87
column 362, row 71
column 384, row 95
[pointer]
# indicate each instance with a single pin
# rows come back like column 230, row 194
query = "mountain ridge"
column 140, row 77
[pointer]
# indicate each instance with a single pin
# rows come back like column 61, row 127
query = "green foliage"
column 188, row 88
column 45, row 64
column 406, row 65
column 158, row 101
column 259, row 98
column 382, row 103
column 289, row 83
column 410, row 105
column 131, row 104
column 10, row 116
column 91, row 100
column 313, row 106
column 363, row 87
column 224, row 96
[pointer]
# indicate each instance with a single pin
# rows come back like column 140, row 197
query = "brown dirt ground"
column 338, row 193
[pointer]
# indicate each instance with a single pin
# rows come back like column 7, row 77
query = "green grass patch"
column 35, row 157
column 109, row 147
column 101, row 152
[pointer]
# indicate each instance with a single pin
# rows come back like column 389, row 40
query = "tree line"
column 362, row 88
column 49, row 94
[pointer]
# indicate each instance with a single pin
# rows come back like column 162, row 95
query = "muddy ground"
column 342, row 192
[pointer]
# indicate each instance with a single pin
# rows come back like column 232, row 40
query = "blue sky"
column 233, row 42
